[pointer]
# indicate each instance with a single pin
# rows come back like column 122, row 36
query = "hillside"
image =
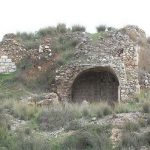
column 33, row 115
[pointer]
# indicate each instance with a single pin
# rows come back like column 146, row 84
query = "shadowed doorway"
column 94, row 85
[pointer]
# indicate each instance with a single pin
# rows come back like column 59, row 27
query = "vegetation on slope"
column 79, row 126
column 81, row 129
column 62, row 47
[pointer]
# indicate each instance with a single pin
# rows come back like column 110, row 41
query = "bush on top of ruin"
column 79, row 28
column 33, row 40
column 61, row 27
column 101, row 28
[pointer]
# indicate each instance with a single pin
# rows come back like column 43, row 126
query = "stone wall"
column 12, row 48
column 6, row 65
column 144, row 79
column 118, row 50
column 115, row 50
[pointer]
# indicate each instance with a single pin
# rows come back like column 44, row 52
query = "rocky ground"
column 116, row 120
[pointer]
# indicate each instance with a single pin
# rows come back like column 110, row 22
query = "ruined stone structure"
column 105, row 69
column 10, row 47
column 104, row 66
column 6, row 65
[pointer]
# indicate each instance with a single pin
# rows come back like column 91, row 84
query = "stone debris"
column 116, row 136
column 12, row 48
column 6, row 65
column 46, row 99
column 144, row 78
column 50, row 135
column 17, row 123
column 85, row 103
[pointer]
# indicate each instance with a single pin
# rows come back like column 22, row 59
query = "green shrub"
column 40, row 82
column 65, row 57
column 130, row 141
column 29, row 40
column 86, row 112
column 101, row 28
column 111, row 29
column 25, row 36
column 31, row 44
column 131, row 126
column 146, row 107
column 73, row 125
column 61, row 27
column 90, row 137
column 74, row 42
column 65, row 44
column 29, row 142
column 10, row 89
column 146, row 139
column 6, row 139
column 23, row 111
column 103, row 110
column 21, row 141
column 134, row 141
column 24, row 64
column 56, row 118
column 79, row 28
column 99, row 113
column 48, row 31
column 107, row 110
column 27, row 131
column 127, row 107
column 4, row 121
column 142, row 122
column 121, row 108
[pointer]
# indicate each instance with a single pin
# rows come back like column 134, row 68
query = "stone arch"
column 66, row 76
column 96, row 84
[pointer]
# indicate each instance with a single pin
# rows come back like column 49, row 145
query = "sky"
column 31, row 15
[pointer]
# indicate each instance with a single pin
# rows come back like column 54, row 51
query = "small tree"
column 111, row 29
column 61, row 27
column 101, row 28
column 78, row 28
column 46, row 31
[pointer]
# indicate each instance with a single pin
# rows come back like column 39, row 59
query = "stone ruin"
column 106, row 69
column 6, row 65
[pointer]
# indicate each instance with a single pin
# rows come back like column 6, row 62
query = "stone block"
column 13, row 64
column 6, row 65
column 2, row 60
column 4, row 57
column 9, row 60
column 3, row 67
column 13, row 67
column 11, row 70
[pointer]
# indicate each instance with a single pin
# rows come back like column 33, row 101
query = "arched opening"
column 94, row 85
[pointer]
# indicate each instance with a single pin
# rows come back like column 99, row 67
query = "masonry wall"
column 115, row 50
column 6, row 65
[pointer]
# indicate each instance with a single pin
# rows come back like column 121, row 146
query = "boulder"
column 53, row 97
